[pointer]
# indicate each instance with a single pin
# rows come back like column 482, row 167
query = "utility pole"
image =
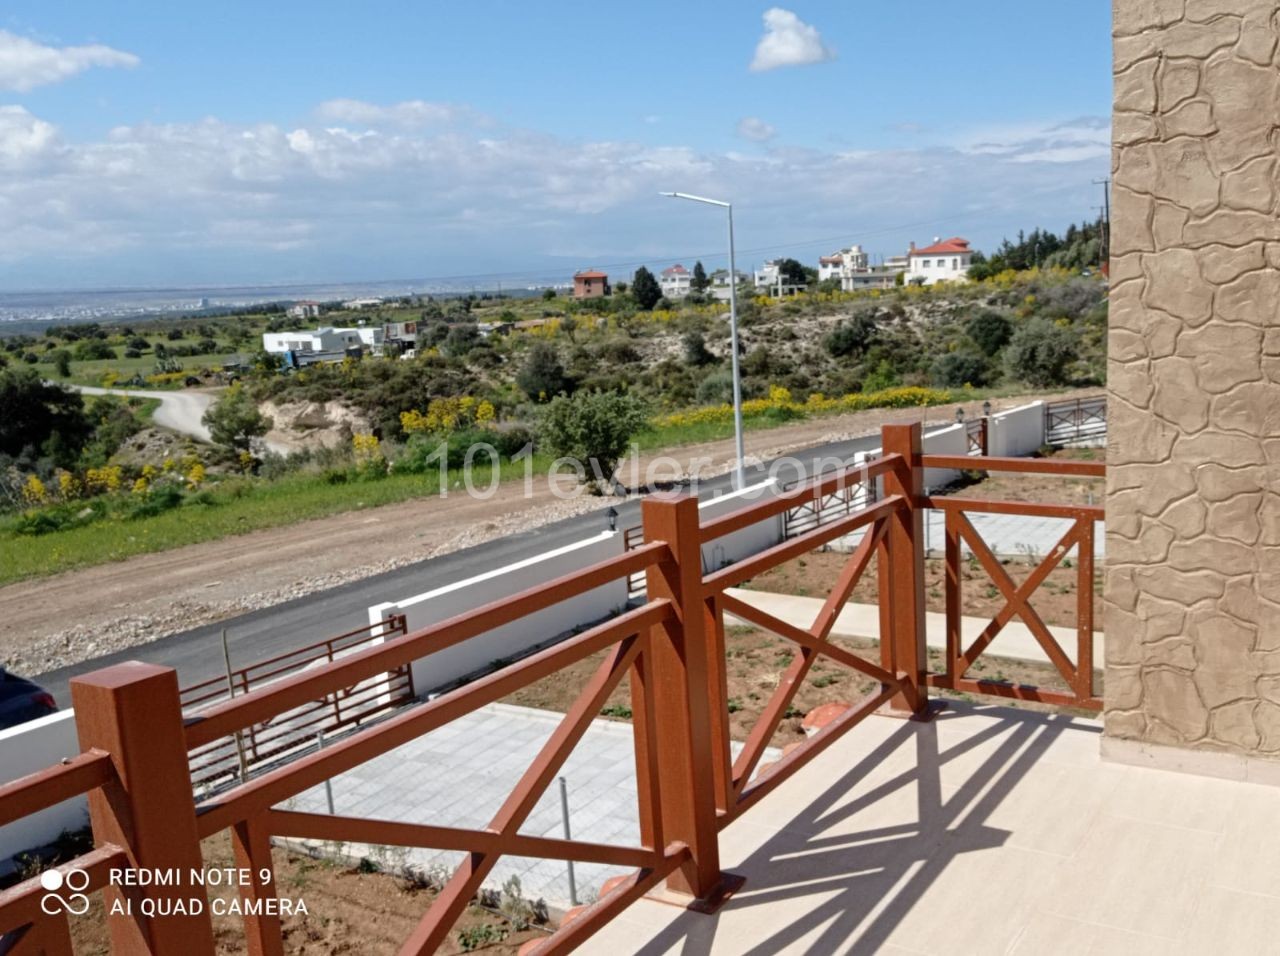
column 1105, row 240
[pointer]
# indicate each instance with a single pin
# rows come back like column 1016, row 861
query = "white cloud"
column 756, row 129
column 26, row 64
column 223, row 202
column 1081, row 139
column 788, row 41
column 412, row 114
column 23, row 137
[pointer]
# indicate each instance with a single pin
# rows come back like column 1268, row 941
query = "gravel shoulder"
column 50, row 622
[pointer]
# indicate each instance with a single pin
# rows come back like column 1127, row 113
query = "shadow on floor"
column 861, row 884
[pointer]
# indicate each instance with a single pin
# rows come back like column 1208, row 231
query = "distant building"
column 720, row 284
column 676, row 282
column 361, row 303
column 401, row 336
column 768, row 280
column 834, row 266
column 304, row 310
column 590, row 284
column 944, row 261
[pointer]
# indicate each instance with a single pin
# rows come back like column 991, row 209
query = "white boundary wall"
column 27, row 748
column 750, row 540
column 1017, row 433
column 476, row 653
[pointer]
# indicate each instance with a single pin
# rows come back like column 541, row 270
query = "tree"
column 234, row 420
column 548, row 295
column 851, row 336
column 957, row 369
column 1039, row 353
column 460, row 340
column 792, row 272
column 40, row 418
column 645, row 289
column 700, row 281
column 543, row 376
column 569, row 325
column 592, row 429
column 61, row 359
column 696, row 352
column 990, row 331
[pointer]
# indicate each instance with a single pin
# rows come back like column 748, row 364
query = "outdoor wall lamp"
column 612, row 515
column 960, row 415
column 986, row 409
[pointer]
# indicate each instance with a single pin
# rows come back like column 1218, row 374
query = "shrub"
column 852, row 336
column 990, row 331
column 593, row 429
column 1039, row 353
column 956, row 369
column 543, row 376
column 234, row 420
column 696, row 352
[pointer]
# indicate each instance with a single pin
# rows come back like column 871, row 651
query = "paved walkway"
column 987, row 831
column 460, row 775
column 1008, row 536
column 863, row 621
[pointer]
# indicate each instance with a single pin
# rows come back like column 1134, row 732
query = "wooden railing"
column 239, row 756
column 137, row 743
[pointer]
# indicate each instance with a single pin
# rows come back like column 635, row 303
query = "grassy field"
column 92, row 372
column 232, row 507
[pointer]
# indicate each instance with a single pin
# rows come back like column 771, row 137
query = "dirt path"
column 111, row 606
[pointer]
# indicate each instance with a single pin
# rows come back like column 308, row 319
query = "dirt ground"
column 171, row 591
column 349, row 911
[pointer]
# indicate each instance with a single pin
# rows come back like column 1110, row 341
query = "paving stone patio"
column 460, row 774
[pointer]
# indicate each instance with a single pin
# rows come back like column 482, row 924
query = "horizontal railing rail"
column 828, row 483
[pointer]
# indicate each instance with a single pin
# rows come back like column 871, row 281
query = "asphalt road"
column 257, row 635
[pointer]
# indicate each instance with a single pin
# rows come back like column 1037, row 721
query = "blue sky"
column 168, row 144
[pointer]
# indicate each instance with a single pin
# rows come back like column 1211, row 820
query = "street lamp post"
column 739, row 473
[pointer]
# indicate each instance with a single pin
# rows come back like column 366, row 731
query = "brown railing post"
column 132, row 711
column 683, row 683
column 902, row 577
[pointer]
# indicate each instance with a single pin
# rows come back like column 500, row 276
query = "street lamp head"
column 693, row 198
column 986, row 409
column 612, row 515
column 960, row 415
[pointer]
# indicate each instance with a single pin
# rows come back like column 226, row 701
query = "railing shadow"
column 863, row 883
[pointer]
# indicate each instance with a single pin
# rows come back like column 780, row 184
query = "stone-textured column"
column 1193, row 492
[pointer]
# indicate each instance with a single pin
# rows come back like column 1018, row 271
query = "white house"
column 318, row 340
column 676, row 282
column 837, row 264
column 944, row 261
column 361, row 303
column 371, row 337
column 769, row 280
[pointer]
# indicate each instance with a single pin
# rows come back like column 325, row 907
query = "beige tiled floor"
column 988, row 831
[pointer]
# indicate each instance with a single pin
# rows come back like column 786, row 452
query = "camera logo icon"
column 64, row 892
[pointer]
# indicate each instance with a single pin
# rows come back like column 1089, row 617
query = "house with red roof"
column 676, row 282
column 590, row 284
column 945, row 261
